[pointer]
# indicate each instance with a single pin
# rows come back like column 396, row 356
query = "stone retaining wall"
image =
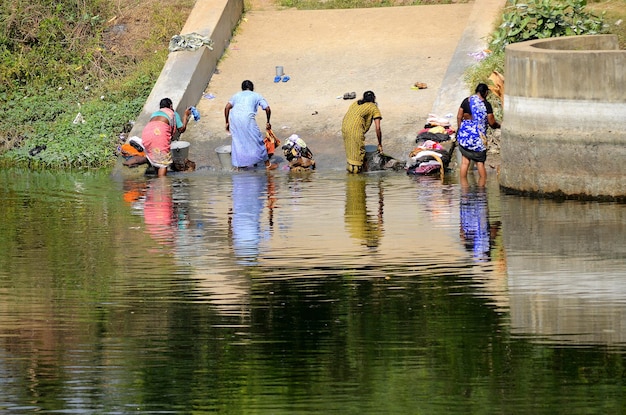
column 186, row 74
column 564, row 126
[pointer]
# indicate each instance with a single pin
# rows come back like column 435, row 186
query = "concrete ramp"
column 326, row 53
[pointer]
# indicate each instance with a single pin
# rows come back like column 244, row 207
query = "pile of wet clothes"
column 433, row 151
column 298, row 154
column 133, row 155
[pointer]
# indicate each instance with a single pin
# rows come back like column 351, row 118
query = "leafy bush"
column 56, row 61
column 541, row 19
column 480, row 74
column 91, row 143
column 44, row 43
column 535, row 19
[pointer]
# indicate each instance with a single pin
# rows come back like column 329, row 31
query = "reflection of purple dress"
column 475, row 223
column 247, row 194
column 248, row 148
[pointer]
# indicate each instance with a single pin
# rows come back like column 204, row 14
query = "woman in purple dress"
column 248, row 147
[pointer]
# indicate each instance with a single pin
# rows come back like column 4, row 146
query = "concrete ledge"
column 185, row 75
column 577, row 67
column 564, row 132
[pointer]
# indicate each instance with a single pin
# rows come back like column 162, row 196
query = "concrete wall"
column 186, row 74
column 564, row 126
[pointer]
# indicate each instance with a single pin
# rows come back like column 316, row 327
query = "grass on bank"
column 95, row 57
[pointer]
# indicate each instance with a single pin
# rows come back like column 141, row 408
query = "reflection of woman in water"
column 134, row 190
column 361, row 225
column 158, row 211
column 248, row 188
column 476, row 232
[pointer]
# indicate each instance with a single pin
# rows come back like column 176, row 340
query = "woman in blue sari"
column 472, row 119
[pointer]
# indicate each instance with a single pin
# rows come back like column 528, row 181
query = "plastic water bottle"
column 195, row 113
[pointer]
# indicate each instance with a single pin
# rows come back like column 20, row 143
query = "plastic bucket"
column 223, row 154
column 180, row 151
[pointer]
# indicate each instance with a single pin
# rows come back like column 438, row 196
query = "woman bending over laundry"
column 248, row 147
column 356, row 123
column 157, row 135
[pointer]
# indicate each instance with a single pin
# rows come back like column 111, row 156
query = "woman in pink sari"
column 157, row 134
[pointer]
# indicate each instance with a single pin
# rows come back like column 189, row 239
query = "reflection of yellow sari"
column 360, row 225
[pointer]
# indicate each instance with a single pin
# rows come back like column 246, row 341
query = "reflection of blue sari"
column 475, row 223
column 247, row 194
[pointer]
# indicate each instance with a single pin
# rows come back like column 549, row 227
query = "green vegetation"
column 540, row 19
column 614, row 12
column 480, row 73
column 91, row 57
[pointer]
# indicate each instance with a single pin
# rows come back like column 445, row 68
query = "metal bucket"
column 371, row 149
column 180, row 151
column 223, row 154
column 371, row 161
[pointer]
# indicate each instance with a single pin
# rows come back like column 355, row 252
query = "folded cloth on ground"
column 191, row 41
column 132, row 147
column 136, row 142
column 438, row 130
column 427, row 128
column 418, row 156
column 435, row 120
column 437, row 137
column 425, row 169
column 429, row 145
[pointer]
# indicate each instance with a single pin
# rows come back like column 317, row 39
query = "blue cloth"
column 475, row 224
column 248, row 148
column 470, row 131
column 247, row 199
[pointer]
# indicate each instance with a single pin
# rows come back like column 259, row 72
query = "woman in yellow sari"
column 356, row 123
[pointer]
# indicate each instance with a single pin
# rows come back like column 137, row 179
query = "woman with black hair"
column 248, row 147
column 157, row 135
column 356, row 123
column 472, row 119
